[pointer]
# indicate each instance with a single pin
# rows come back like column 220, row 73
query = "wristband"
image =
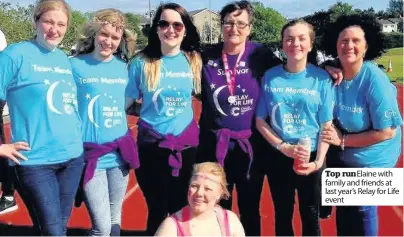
column 343, row 142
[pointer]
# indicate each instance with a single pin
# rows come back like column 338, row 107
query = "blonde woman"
column 202, row 216
column 37, row 83
column 100, row 71
column 164, row 75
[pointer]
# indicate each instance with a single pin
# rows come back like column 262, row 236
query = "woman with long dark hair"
column 164, row 76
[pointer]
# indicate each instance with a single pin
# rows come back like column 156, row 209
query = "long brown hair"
column 190, row 46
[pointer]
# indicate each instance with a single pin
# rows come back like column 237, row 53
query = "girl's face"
column 107, row 41
column 296, row 42
column 170, row 29
column 51, row 28
column 204, row 192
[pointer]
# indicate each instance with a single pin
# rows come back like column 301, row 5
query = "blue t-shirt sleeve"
column 327, row 98
column 135, row 73
column 8, row 70
column 262, row 109
column 382, row 101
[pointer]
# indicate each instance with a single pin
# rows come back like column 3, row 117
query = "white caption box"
column 362, row 187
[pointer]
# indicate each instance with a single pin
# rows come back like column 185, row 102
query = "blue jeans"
column 357, row 220
column 48, row 192
column 104, row 195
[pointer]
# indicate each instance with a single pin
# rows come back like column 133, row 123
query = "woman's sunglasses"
column 163, row 25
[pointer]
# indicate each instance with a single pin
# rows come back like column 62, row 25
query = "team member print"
column 297, row 97
column 37, row 82
column 164, row 76
column 367, row 131
column 101, row 75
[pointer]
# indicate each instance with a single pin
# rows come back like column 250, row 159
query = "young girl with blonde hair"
column 100, row 71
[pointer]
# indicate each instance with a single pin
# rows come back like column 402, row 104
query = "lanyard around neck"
column 231, row 77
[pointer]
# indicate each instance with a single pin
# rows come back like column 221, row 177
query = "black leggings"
column 164, row 193
column 283, row 182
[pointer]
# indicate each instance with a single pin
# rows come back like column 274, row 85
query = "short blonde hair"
column 116, row 18
column 216, row 170
column 43, row 6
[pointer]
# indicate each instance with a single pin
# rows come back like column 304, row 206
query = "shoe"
column 7, row 206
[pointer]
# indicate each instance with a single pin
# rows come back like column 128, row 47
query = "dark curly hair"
column 373, row 34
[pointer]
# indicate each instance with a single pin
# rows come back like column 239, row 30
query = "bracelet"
column 315, row 163
column 343, row 142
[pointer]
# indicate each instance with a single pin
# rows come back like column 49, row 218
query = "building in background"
column 389, row 25
column 208, row 24
column 206, row 21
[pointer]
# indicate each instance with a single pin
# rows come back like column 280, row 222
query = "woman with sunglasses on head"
column 297, row 97
column 101, row 75
column 367, row 131
column 37, row 83
column 165, row 75
column 230, row 89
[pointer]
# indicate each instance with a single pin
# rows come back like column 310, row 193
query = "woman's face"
column 204, row 192
column 236, row 27
column 51, row 28
column 351, row 45
column 296, row 42
column 170, row 29
column 107, row 41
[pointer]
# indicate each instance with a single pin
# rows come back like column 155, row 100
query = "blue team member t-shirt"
column 297, row 103
column 41, row 94
column 168, row 109
column 101, row 98
column 369, row 102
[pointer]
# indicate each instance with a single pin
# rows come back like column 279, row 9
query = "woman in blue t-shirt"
column 164, row 75
column 37, row 83
column 297, row 97
column 367, row 119
column 101, row 75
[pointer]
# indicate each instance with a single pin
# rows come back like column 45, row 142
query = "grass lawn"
column 396, row 56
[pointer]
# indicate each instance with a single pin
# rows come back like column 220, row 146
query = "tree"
column 209, row 33
column 340, row 8
column 400, row 27
column 320, row 21
column 134, row 26
column 382, row 14
column 267, row 24
column 395, row 9
column 15, row 22
column 76, row 26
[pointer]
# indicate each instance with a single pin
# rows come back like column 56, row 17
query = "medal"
column 231, row 75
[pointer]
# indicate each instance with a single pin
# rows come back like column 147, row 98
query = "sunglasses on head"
column 163, row 25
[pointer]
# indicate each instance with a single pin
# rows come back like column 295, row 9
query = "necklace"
column 347, row 83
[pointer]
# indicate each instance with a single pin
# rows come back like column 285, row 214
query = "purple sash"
column 189, row 137
column 222, row 145
column 125, row 145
